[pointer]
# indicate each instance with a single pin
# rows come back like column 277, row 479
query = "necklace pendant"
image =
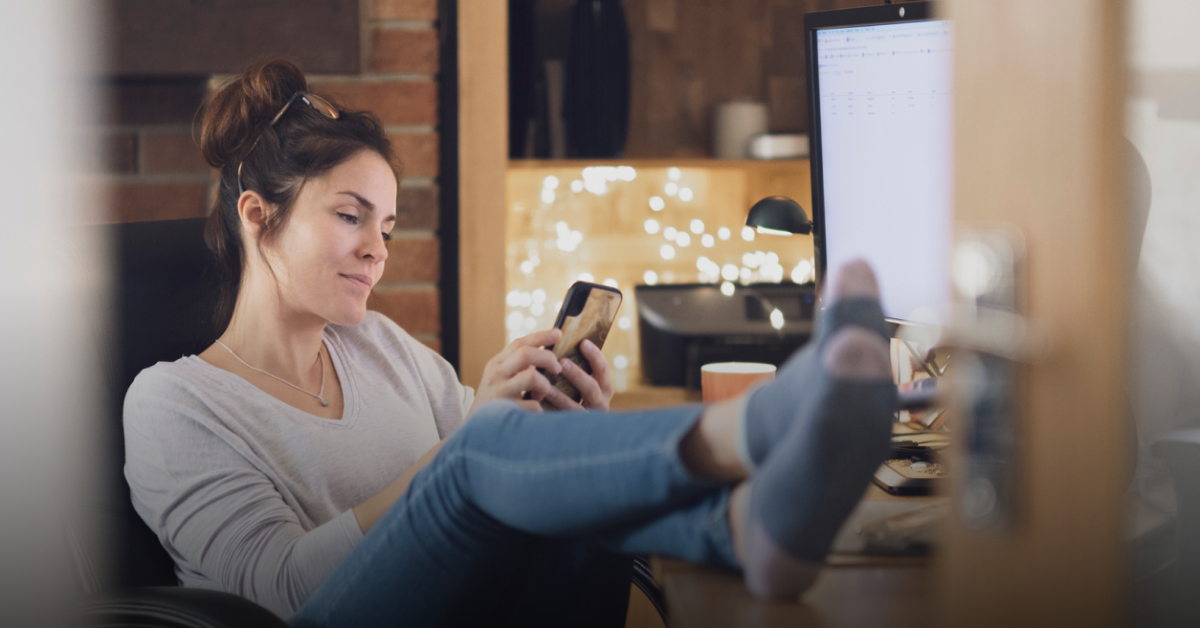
column 324, row 402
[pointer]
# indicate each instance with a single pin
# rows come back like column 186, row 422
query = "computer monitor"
column 880, row 107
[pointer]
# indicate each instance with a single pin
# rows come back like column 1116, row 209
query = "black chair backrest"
column 166, row 285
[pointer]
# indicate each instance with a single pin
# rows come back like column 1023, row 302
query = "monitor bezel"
column 841, row 18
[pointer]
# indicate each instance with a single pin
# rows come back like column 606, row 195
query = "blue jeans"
column 509, row 476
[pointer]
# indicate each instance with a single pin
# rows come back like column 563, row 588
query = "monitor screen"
column 882, row 112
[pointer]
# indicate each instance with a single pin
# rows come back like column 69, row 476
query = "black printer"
column 685, row 326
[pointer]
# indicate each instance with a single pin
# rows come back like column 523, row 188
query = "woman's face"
column 332, row 249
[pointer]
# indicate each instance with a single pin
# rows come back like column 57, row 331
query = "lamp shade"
column 779, row 214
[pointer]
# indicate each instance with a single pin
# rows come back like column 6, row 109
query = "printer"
column 685, row 326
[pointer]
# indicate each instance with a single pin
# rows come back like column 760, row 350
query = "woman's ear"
column 254, row 211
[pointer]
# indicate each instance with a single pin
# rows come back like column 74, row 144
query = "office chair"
column 164, row 287
column 1166, row 596
column 164, row 290
column 1176, row 595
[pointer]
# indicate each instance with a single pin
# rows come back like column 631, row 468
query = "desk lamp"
column 779, row 215
column 776, row 215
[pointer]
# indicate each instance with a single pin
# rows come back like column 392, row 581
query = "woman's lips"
column 362, row 280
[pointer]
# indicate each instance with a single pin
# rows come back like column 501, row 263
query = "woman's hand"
column 513, row 372
column 596, row 389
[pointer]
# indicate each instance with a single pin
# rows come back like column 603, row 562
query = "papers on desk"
column 892, row 528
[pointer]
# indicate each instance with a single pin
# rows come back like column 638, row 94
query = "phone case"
column 588, row 313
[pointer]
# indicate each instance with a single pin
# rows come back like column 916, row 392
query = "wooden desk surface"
column 843, row 597
column 854, row 589
column 647, row 397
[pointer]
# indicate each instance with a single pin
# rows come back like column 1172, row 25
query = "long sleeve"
column 216, row 510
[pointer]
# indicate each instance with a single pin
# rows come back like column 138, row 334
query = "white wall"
column 1164, row 124
column 1163, row 34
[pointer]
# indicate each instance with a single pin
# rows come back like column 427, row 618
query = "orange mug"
column 726, row 380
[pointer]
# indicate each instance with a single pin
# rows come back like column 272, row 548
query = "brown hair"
column 303, row 144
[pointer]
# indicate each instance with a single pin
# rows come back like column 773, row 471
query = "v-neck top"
column 253, row 496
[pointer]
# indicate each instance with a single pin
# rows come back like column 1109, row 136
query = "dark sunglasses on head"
column 320, row 105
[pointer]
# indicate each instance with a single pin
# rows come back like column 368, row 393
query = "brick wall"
column 153, row 169
column 399, row 83
column 689, row 57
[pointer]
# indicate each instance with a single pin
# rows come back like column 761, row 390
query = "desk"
column 853, row 590
column 649, row 397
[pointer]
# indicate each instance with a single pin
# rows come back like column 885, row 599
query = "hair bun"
column 236, row 111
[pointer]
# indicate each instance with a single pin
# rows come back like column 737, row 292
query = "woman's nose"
column 375, row 247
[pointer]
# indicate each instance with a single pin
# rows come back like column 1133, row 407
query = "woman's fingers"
column 510, row 373
column 525, row 357
column 524, row 352
column 529, row 380
column 600, row 372
column 513, row 372
column 542, row 338
column 561, row 401
column 588, row 387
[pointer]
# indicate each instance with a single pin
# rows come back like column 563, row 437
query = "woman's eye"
column 387, row 237
column 350, row 218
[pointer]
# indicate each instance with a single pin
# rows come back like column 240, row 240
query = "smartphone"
column 587, row 313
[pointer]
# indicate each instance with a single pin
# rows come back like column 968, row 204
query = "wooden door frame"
column 482, row 30
column 1039, row 115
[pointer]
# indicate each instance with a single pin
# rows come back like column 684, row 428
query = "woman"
column 319, row 461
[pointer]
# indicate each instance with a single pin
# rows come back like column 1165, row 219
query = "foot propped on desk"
column 839, row 404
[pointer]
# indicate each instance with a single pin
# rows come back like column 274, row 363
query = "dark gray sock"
column 771, row 409
column 814, row 477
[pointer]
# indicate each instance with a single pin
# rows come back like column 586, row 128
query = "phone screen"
column 587, row 313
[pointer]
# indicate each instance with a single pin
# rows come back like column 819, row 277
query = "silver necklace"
column 320, row 395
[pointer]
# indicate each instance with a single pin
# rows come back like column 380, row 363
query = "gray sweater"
column 252, row 496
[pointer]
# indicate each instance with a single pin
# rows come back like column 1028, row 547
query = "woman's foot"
column 769, row 410
column 837, row 432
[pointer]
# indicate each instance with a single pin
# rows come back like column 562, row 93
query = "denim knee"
column 484, row 425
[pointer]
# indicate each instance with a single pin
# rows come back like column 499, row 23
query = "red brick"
column 404, row 50
column 417, row 311
column 135, row 202
column 176, row 38
column 404, row 9
column 164, row 152
column 117, row 153
column 417, row 208
column 395, row 102
column 159, row 101
column 412, row 261
column 418, row 152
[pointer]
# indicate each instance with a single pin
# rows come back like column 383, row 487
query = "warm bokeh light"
column 619, row 223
